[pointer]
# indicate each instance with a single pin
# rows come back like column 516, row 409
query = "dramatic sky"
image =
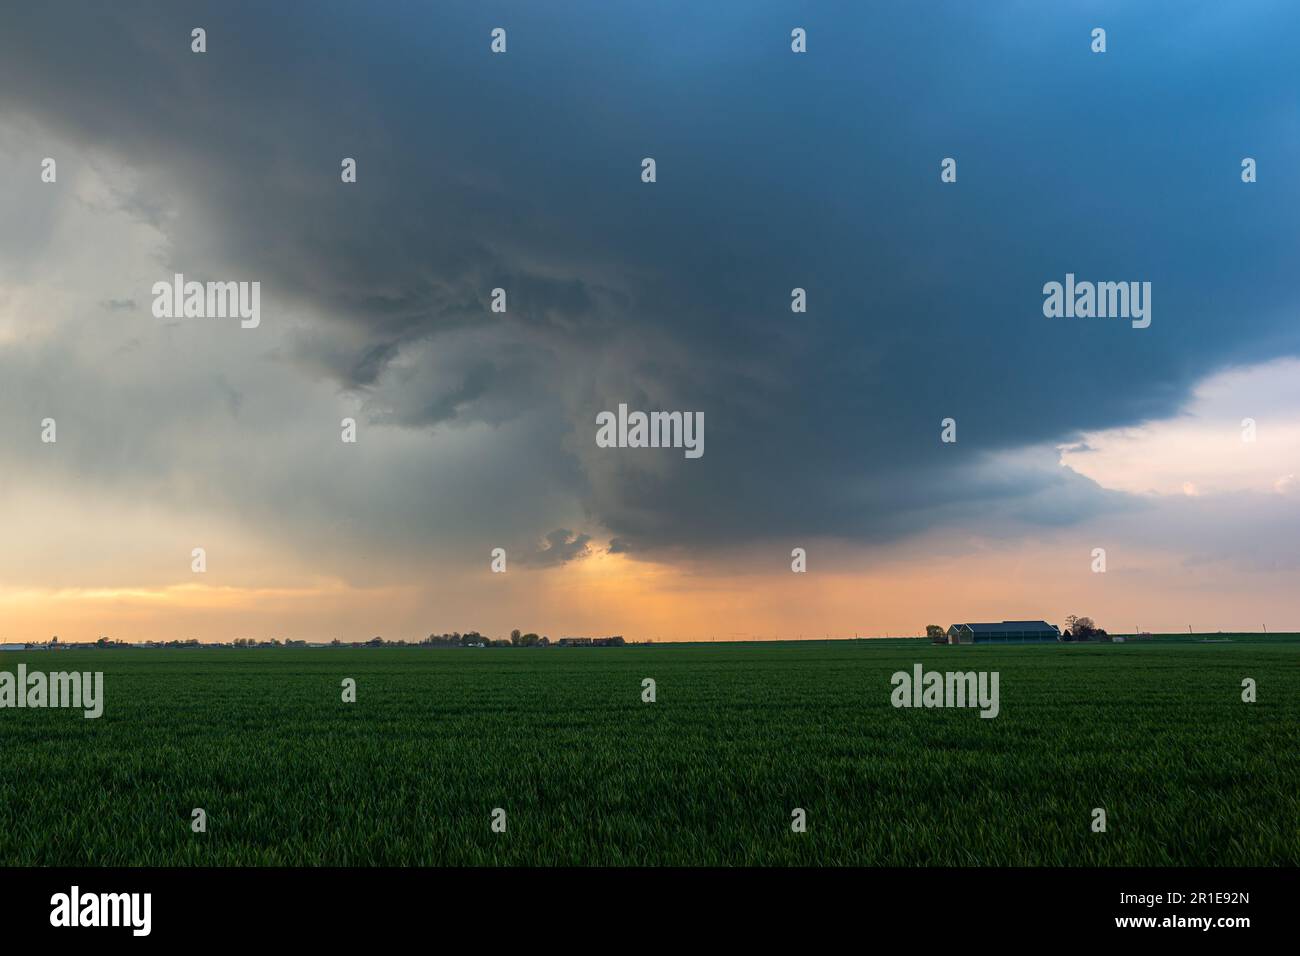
column 775, row 170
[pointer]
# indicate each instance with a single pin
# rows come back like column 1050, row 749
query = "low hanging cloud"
column 560, row 547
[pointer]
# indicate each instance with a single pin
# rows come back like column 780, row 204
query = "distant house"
column 1006, row 632
column 575, row 642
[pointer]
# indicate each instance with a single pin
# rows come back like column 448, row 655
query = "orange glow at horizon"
column 612, row 594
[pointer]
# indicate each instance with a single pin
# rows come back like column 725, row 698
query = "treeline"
column 453, row 639
column 1082, row 629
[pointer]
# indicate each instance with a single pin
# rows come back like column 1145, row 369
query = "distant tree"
column 515, row 637
column 1083, row 629
column 936, row 634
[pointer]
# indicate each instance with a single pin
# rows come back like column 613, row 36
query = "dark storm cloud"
column 775, row 171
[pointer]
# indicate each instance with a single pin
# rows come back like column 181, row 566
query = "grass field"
column 1157, row 734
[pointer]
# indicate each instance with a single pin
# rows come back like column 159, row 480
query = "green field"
column 740, row 735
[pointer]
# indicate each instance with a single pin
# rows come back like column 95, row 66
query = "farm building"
column 1015, row 632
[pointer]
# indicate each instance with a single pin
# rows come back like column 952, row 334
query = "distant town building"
column 1013, row 632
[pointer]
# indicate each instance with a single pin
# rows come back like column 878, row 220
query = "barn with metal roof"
column 1007, row 632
